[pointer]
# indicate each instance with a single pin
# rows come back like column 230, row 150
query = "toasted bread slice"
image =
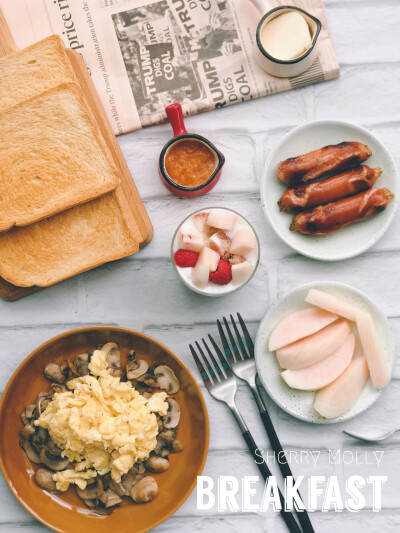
column 52, row 157
column 33, row 70
column 69, row 243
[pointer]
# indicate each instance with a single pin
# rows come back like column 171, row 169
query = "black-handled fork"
column 221, row 384
column 240, row 357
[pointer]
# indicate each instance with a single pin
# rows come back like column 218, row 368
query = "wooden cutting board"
column 7, row 46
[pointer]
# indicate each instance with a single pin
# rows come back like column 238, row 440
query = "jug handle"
column 263, row 6
column 175, row 116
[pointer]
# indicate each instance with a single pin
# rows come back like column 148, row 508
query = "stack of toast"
column 63, row 209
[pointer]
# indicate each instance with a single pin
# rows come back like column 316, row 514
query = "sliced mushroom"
column 148, row 378
column 92, row 491
column 166, row 379
column 174, row 414
column 132, row 477
column 113, row 359
column 145, row 491
column 28, row 413
column 53, row 464
column 53, row 451
column 40, row 437
column 134, row 367
column 176, row 446
column 27, row 431
column 157, row 464
column 109, row 498
column 41, row 405
column 81, row 364
column 30, row 451
column 44, row 478
column 53, row 372
column 56, row 387
column 117, row 488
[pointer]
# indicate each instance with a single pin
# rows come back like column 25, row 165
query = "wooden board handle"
column 7, row 43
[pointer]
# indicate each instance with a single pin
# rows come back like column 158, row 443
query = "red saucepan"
column 200, row 147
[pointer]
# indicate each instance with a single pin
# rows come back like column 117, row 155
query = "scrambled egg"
column 103, row 424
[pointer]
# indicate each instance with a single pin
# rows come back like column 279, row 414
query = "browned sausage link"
column 331, row 217
column 309, row 166
column 322, row 192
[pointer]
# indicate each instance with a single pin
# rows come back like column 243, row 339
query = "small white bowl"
column 346, row 242
column 212, row 289
column 292, row 67
column 300, row 403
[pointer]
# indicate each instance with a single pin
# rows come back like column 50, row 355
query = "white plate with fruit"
column 215, row 251
column 324, row 352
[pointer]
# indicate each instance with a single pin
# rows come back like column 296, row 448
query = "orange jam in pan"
column 190, row 163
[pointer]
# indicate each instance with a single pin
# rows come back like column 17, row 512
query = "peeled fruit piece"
column 340, row 396
column 220, row 242
column 372, row 350
column 241, row 272
column 200, row 220
column 209, row 258
column 320, row 374
column 243, row 242
column 191, row 239
column 298, row 325
column 221, row 219
column 331, row 303
column 200, row 275
column 312, row 349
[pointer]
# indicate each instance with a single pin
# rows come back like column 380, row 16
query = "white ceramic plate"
column 349, row 241
column 300, row 403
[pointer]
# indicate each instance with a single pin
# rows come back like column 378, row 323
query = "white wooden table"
column 144, row 293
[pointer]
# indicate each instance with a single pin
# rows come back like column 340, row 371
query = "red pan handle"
column 175, row 116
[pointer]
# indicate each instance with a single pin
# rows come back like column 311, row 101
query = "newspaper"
column 146, row 54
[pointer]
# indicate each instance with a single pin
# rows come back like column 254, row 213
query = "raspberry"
column 223, row 274
column 185, row 258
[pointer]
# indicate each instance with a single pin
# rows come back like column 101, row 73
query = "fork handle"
column 266, row 473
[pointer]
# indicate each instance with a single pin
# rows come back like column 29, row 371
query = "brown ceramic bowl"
column 66, row 513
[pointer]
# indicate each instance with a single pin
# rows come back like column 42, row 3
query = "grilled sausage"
column 322, row 192
column 331, row 158
column 331, row 217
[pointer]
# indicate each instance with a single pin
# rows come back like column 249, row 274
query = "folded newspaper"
column 146, row 54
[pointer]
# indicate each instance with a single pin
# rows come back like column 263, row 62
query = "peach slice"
column 200, row 221
column 191, row 239
column 320, row 374
column 243, row 242
column 209, row 258
column 221, row 219
column 241, row 272
column 372, row 350
column 298, row 325
column 340, row 396
column 220, row 242
column 200, row 274
column 312, row 349
column 331, row 303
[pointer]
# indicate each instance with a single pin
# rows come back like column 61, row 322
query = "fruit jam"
column 190, row 163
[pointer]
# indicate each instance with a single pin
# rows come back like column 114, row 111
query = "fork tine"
column 240, row 340
column 219, row 371
column 238, row 355
column 202, row 370
column 211, row 372
column 249, row 342
column 223, row 360
column 228, row 352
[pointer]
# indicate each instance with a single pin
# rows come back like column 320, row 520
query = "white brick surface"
column 143, row 292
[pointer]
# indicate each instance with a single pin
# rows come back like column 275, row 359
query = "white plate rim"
column 263, row 189
column 259, row 352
